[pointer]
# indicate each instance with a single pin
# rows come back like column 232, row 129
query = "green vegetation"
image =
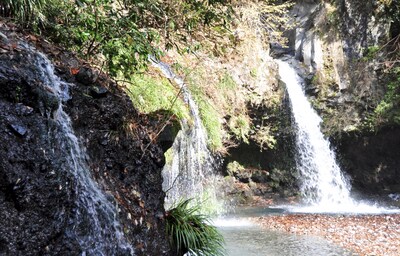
column 28, row 12
column 239, row 125
column 209, row 117
column 190, row 231
column 144, row 91
column 371, row 53
column 387, row 112
column 234, row 167
column 265, row 138
column 122, row 33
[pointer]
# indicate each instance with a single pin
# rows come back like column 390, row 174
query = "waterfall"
column 322, row 182
column 189, row 174
column 94, row 222
column 323, row 185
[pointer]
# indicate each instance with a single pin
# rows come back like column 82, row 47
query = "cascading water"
column 94, row 223
column 323, row 185
column 189, row 174
column 322, row 181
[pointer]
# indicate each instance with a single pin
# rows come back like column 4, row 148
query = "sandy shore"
column 365, row 235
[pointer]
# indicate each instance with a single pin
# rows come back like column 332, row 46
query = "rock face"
column 332, row 39
column 264, row 171
column 373, row 160
column 38, row 196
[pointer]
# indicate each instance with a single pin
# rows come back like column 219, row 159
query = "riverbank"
column 365, row 235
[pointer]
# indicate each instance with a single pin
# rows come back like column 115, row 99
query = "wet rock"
column 86, row 76
column 278, row 51
column 3, row 38
column 98, row 91
column 260, row 176
column 371, row 159
column 311, row 90
column 395, row 197
column 104, row 141
column 19, row 129
column 23, row 110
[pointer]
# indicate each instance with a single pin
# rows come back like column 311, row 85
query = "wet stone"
column 23, row 110
column 86, row 76
column 104, row 142
column 98, row 91
column 19, row 129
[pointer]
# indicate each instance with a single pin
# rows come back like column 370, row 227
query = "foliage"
column 123, row 33
column 265, row 138
column 388, row 110
column 269, row 18
column 192, row 232
column 239, row 125
column 185, row 22
column 104, row 30
column 227, row 83
column 149, row 94
column 235, row 167
column 28, row 12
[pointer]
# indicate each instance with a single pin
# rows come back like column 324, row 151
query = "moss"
column 203, row 93
column 371, row 53
column 226, row 83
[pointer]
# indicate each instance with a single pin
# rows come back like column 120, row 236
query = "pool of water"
column 243, row 238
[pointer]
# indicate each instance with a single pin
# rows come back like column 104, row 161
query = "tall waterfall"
column 94, row 223
column 322, row 182
column 189, row 174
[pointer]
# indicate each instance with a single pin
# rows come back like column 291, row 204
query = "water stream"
column 94, row 222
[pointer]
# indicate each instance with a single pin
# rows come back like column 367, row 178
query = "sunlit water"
column 323, row 186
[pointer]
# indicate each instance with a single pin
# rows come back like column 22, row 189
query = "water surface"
column 243, row 238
